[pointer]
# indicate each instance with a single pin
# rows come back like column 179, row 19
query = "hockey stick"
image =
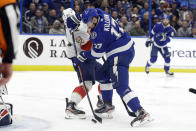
column 85, row 88
column 132, row 114
column 192, row 90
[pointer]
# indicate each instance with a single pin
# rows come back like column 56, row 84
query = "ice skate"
column 168, row 73
column 147, row 69
column 105, row 111
column 72, row 111
column 99, row 102
column 142, row 118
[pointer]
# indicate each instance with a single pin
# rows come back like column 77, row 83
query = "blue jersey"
column 162, row 35
column 108, row 38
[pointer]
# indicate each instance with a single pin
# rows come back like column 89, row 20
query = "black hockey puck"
column 93, row 120
column 192, row 90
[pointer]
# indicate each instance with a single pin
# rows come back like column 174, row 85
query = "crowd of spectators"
column 44, row 16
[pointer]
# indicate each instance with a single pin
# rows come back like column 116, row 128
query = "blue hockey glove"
column 81, row 57
column 75, row 61
column 71, row 24
column 149, row 43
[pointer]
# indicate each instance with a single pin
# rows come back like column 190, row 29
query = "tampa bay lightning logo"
column 86, row 11
column 160, row 36
column 93, row 35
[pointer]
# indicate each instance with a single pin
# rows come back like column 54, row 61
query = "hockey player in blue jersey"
column 110, row 40
column 160, row 36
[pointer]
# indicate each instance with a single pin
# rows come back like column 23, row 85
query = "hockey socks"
column 129, row 98
column 79, row 92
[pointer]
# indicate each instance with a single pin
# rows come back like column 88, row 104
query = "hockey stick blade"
column 192, row 90
column 99, row 119
column 132, row 114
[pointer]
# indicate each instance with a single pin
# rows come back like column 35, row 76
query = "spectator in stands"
column 145, row 22
column 104, row 4
column 154, row 4
column 138, row 3
column 183, row 12
column 168, row 12
column 145, row 9
column 118, row 6
column 97, row 3
column 115, row 16
column 122, row 12
column 155, row 20
column 175, row 11
column 174, row 22
column 76, row 2
column 49, row 2
column 194, row 25
column 26, row 3
column 56, row 28
column 134, row 18
column 189, row 20
column 107, row 10
column 160, row 10
column 153, row 13
column 126, row 4
column 60, row 12
column 129, row 12
column 88, row 4
column 77, row 9
column 136, row 11
column 125, row 24
column 52, row 17
column 30, row 13
column 184, row 31
column 137, row 30
column 193, row 33
column 39, row 23
column 45, row 10
column 112, row 4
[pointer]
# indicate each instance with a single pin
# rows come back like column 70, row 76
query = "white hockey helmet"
column 69, row 12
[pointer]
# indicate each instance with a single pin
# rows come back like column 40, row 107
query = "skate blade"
column 146, row 121
column 107, row 115
column 169, row 75
column 70, row 115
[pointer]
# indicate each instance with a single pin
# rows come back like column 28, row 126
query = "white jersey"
column 81, row 38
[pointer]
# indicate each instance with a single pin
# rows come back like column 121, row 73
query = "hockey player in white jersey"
column 90, row 68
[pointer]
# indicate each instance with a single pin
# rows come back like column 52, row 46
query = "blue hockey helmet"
column 88, row 15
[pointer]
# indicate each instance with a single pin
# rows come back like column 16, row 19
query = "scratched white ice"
column 38, row 99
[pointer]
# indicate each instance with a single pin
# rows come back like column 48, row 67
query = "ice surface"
column 38, row 99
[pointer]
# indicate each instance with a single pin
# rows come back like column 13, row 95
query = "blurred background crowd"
column 45, row 16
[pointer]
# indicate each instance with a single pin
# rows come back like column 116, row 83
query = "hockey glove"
column 75, row 61
column 71, row 24
column 149, row 43
column 81, row 57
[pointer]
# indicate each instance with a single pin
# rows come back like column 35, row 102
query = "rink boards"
column 47, row 53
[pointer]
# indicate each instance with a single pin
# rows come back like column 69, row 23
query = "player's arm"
column 150, row 39
column 96, row 52
column 152, row 33
column 171, row 33
column 9, row 30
